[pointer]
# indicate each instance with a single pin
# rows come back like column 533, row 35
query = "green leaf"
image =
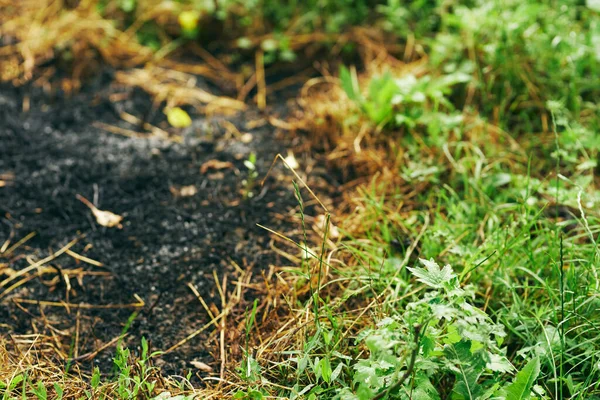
column 432, row 275
column 14, row 382
column 95, row 378
column 427, row 344
column 59, row 391
column 144, row 348
column 423, row 389
column 520, row 389
column 337, row 371
column 468, row 369
column 492, row 391
column 498, row 363
column 381, row 92
column 453, row 336
column 383, row 89
column 40, row 391
column 325, row 369
column 255, row 395
column 24, row 389
column 349, row 84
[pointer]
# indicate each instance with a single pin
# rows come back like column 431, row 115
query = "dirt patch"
column 55, row 151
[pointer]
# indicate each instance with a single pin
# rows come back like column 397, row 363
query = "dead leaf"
column 201, row 366
column 216, row 165
column 184, row 191
column 104, row 218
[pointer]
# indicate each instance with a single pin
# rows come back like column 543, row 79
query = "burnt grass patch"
column 54, row 151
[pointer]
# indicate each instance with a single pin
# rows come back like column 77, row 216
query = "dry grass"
column 177, row 88
column 34, row 356
column 41, row 31
column 44, row 32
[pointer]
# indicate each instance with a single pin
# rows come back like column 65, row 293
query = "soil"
column 54, row 151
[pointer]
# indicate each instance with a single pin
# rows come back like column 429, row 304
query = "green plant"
column 451, row 338
column 407, row 101
column 134, row 377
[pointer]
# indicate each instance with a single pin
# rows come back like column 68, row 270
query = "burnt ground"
column 55, row 152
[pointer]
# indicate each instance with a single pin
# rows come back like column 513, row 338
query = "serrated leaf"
column 432, row 275
column 498, row 363
column 423, row 389
column 520, row 389
column 453, row 335
column 427, row 344
column 468, row 369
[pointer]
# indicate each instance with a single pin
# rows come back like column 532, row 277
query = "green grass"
column 499, row 141
column 491, row 155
